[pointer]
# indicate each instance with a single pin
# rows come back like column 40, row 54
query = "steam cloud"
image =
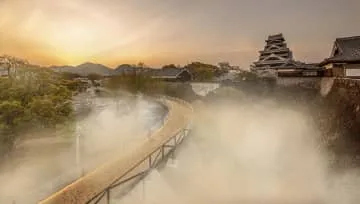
column 251, row 153
column 259, row 152
column 41, row 166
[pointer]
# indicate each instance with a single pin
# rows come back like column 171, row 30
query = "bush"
column 34, row 98
column 93, row 77
column 135, row 83
column 201, row 71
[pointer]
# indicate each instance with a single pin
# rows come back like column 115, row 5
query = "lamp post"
column 78, row 149
column 117, row 104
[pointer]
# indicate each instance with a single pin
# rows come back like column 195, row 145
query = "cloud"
column 110, row 31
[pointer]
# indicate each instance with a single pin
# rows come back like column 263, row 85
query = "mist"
column 250, row 152
column 41, row 166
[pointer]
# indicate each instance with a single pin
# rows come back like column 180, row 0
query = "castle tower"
column 275, row 54
column 277, row 59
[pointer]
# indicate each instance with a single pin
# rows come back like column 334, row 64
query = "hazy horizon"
column 158, row 32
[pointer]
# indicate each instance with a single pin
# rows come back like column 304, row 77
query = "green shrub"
column 34, row 98
column 135, row 83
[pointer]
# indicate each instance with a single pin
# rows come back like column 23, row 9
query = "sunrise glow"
column 114, row 32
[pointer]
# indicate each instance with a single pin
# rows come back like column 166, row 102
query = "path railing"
column 139, row 170
column 98, row 187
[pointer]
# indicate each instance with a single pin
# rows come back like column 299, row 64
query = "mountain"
column 127, row 69
column 100, row 69
column 85, row 69
column 63, row 69
column 124, row 68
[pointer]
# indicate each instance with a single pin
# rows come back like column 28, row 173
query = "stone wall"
column 347, row 88
column 342, row 90
column 341, row 115
column 305, row 82
column 332, row 103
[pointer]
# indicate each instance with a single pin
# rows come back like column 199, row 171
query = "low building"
column 300, row 69
column 277, row 58
column 3, row 71
column 131, row 69
column 344, row 60
column 172, row 74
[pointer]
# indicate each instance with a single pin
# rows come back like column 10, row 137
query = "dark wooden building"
column 344, row 60
column 172, row 74
column 278, row 58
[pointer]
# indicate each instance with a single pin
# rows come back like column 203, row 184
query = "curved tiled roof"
column 278, row 36
column 168, row 72
column 348, row 50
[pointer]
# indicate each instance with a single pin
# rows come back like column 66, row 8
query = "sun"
column 74, row 38
column 74, row 41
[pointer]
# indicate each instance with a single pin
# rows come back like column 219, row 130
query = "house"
column 3, row 71
column 172, row 74
column 278, row 59
column 344, row 60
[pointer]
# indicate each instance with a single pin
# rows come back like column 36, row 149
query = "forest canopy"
column 31, row 98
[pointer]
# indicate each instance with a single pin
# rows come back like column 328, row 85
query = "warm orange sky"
column 157, row 32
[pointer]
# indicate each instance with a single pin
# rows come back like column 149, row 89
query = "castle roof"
column 345, row 50
column 168, row 72
column 275, row 37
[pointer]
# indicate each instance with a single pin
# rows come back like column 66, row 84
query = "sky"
column 158, row 32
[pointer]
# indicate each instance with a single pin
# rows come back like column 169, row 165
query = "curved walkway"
column 95, row 182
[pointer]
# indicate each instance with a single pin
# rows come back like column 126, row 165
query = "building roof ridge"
column 275, row 35
column 349, row 38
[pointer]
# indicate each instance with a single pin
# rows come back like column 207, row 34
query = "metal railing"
column 159, row 149
column 138, row 171
column 141, row 169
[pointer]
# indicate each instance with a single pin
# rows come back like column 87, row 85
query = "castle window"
column 273, row 58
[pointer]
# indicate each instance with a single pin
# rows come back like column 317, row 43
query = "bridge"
column 107, row 181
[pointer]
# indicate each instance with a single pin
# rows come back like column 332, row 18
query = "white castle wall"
column 307, row 82
column 202, row 89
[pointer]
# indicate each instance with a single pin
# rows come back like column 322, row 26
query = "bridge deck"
column 95, row 182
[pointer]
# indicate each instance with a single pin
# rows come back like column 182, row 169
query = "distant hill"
column 127, row 69
column 89, row 68
column 124, row 68
column 85, row 69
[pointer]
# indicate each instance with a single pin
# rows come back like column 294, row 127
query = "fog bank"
column 258, row 152
column 41, row 166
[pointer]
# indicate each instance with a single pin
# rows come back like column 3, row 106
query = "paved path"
column 95, row 182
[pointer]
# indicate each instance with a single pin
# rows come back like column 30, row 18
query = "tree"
column 69, row 75
column 169, row 66
column 74, row 85
column 43, row 112
column 93, row 76
column 12, row 63
column 135, row 83
column 201, row 71
column 224, row 65
column 35, row 98
column 141, row 65
column 11, row 113
column 247, row 76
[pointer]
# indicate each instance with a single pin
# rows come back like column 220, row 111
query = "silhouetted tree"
column 169, row 66
column 201, row 71
column 94, row 76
